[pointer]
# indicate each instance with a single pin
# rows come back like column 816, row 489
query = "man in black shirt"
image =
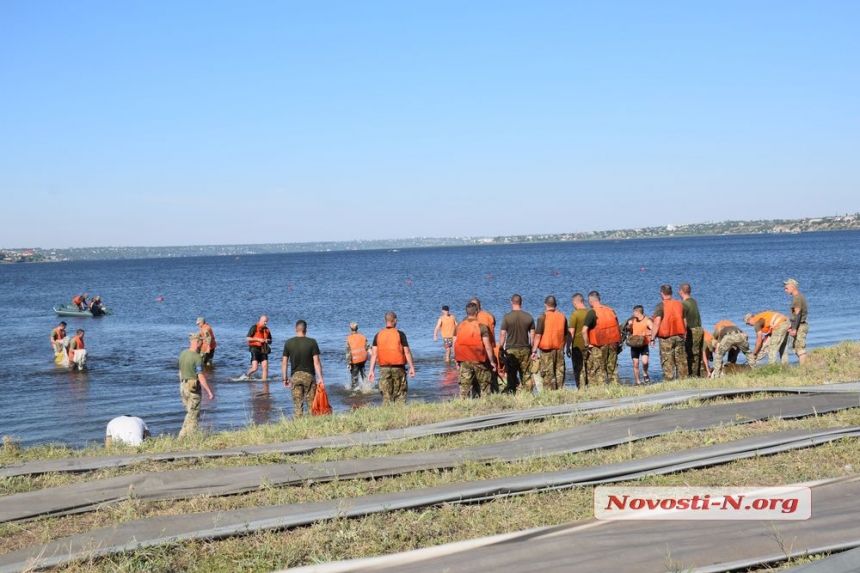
column 304, row 356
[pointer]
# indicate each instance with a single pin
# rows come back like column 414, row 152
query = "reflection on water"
column 133, row 354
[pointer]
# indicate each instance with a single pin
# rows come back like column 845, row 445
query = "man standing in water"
column 303, row 352
column 356, row 354
column 516, row 335
column 259, row 337
column 207, row 350
column 446, row 325
column 695, row 334
column 798, row 328
column 391, row 350
column 191, row 379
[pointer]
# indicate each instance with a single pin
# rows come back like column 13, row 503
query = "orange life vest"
column 261, row 332
column 58, row 333
column 468, row 344
column 708, row 338
column 208, row 343
column 640, row 328
column 389, row 351
column 489, row 321
column 673, row 319
column 357, row 347
column 606, row 331
column 554, row 329
column 771, row 319
column 76, row 344
column 78, row 300
column 447, row 327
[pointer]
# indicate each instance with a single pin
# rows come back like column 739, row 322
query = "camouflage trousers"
column 519, row 373
column 189, row 390
column 776, row 346
column 475, row 374
column 693, row 348
column 577, row 357
column 673, row 357
column 601, row 363
column 552, row 367
column 303, row 388
column 392, row 384
column 732, row 341
column 798, row 346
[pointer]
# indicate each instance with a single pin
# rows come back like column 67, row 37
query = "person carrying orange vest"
column 207, row 348
column 670, row 327
column 474, row 354
column 356, row 355
column 602, row 334
column 551, row 337
column 772, row 326
column 391, row 350
column 446, row 325
column 639, row 328
column 80, row 301
column 259, row 338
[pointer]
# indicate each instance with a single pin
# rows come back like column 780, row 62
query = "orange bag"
column 321, row 406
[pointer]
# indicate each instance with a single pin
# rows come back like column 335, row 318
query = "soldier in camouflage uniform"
column 391, row 350
column 518, row 328
column 550, row 338
column 602, row 333
column 474, row 353
column 730, row 339
column 669, row 327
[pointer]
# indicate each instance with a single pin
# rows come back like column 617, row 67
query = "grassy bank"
column 403, row 530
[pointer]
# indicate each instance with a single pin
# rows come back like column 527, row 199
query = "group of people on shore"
column 529, row 354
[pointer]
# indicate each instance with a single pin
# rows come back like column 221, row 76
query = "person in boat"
column 80, row 301
column 96, row 306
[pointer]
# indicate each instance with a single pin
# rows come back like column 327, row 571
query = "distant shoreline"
column 730, row 228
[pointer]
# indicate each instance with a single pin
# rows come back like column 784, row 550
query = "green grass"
column 410, row 529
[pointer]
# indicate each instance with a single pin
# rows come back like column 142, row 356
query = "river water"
column 133, row 354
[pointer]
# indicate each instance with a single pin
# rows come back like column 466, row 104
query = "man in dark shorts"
column 517, row 332
column 303, row 353
column 639, row 326
column 259, row 338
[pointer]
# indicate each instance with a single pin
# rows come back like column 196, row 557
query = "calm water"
column 133, row 354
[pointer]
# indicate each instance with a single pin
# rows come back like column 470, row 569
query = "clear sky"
column 183, row 122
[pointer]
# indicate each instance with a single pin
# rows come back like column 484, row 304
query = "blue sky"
column 170, row 123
